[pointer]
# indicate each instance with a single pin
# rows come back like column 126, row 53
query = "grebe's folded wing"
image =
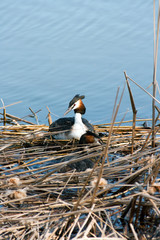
column 88, row 125
column 62, row 124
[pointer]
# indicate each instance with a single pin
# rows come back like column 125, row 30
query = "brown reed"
column 125, row 207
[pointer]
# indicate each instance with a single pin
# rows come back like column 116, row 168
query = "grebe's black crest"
column 75, row 99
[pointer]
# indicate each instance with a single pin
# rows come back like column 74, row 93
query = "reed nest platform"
column 52, row 189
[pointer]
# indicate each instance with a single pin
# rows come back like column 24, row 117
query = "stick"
column 134, row 112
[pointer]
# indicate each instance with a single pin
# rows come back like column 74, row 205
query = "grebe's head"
column 76, row 104
column 90, row 137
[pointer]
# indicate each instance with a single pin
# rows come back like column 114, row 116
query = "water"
column 52, row 50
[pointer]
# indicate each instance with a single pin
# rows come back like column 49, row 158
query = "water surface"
column 52, row 50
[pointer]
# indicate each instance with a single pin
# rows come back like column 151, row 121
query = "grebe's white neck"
column 78, row 118
column 78, row 128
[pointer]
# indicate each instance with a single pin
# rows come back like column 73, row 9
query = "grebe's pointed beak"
column 68, row 110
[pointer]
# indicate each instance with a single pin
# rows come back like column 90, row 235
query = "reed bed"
column 52, row 189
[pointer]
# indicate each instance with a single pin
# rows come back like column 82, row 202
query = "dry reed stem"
column 134, row 112
column 10, row 105
column 156, row 41
column 134, row 232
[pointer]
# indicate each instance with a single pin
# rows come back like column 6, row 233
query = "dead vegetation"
column 50, row 190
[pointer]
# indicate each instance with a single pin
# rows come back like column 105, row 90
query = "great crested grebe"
column 72, row 127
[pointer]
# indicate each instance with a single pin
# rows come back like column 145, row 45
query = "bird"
column 72, row 127
column 90, row 137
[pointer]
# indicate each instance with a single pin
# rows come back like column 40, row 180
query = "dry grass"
column 44, row 197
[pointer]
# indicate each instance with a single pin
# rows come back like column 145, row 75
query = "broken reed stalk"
column 153, row 115
column 133, row 110
column 4, row 116
column 10, row 104
column 144, row 90
column 49, row 116
column 154, row 72
column 34, row 114
column 4, row 113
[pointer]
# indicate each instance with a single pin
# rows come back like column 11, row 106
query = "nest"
column 52, row 189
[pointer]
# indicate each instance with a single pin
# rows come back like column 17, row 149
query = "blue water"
column 51, row 50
